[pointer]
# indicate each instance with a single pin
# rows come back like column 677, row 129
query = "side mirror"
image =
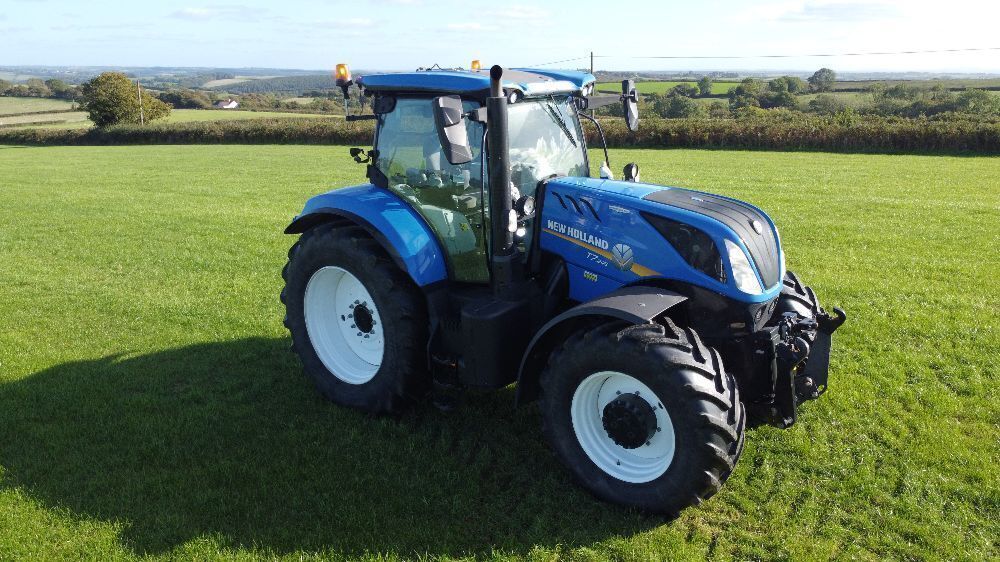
column 630, row 99
column 450, row 124
column 631, row 172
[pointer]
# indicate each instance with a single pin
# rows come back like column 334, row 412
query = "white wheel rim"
column 642, row 464
column 346, row 349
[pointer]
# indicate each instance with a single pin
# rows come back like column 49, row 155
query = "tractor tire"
column 796, row 297
column 357, row 321
column 644, row 416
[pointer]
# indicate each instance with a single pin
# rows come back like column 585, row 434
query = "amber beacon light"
column 476, row 65
column 342, row 74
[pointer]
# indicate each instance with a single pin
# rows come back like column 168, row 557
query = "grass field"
column 149, row 405
column 14, row 105
column 79, row 119
column 656, row 87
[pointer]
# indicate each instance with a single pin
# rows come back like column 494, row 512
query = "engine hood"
column 752, row 226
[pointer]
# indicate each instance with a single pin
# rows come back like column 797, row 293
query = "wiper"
column 554, row 114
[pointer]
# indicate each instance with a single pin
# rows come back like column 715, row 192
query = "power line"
column 558, row 61
column 876, row 53
column 737, row 57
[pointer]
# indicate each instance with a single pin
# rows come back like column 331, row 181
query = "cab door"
column 451, row 198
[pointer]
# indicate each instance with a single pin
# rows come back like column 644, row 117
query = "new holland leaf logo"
column 622, row 255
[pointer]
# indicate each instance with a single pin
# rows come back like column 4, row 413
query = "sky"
column 405, row 34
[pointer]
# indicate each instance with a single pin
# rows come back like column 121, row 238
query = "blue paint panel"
column 410, row 237
column 618, row 204
column 587, row 284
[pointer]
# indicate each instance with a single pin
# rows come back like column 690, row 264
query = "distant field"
column 957, row 84
column 13, row 77
column 10, row 106
column 78, row 119
column 718, row 88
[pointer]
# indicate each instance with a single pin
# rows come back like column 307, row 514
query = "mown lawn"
column 149, row 405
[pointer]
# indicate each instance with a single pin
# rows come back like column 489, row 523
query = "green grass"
column 657, row 87
column 149, row 405
column 13, row 105
column 77, row 120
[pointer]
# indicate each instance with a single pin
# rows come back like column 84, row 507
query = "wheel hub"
column 363, row 318
column 629, row 420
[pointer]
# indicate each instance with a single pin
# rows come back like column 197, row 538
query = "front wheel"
column 644, row 416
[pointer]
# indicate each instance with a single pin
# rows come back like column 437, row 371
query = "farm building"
column 227, row 104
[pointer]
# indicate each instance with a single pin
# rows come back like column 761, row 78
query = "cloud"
column 221, row 12
column 520, row 12
column 468, row 26
column 838, row 12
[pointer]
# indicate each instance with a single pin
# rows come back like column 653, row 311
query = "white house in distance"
column 227, row 104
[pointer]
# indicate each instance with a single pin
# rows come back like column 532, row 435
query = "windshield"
column 545, row 139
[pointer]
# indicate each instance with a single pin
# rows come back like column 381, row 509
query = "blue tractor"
column 650, row 323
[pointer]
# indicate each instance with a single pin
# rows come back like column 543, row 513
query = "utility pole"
column 592, row 112
column 142, row 116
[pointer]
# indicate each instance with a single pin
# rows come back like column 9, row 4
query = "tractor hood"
column 721, row 218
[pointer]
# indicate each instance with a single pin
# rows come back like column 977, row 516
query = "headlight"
column 746, row 279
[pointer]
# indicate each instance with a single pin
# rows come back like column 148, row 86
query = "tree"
column 186, row 99
column 111, row 99
column 686, row 90
column 825, row 104
column 676, row 106
column 795, row 84
column 778, row 85
column 61, row 89
column 705, row 86
column 978, row 102
column 822, row 80
column 747, row 94
column 37, row 88
column 3, row 86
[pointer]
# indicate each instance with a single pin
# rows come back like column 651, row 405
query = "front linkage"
column 795, row 349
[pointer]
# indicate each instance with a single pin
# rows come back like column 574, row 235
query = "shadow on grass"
column 229, row 441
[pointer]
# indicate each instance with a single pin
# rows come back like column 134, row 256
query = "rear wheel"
column 357, row 322
column 644, row 416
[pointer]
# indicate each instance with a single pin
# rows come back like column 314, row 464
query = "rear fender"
column 392, row 222
column 634, row 305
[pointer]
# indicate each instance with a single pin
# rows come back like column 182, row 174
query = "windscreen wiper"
column 554, row 114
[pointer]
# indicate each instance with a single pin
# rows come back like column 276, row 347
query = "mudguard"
column 634, row 305
column 391, row 221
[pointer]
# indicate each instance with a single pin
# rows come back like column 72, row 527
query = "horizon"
column 317, row 34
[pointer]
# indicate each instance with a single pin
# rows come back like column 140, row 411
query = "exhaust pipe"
column 504, row 257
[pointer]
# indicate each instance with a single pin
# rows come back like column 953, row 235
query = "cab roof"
column 529, row 81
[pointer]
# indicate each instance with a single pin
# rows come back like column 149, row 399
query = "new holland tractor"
column 650, row 323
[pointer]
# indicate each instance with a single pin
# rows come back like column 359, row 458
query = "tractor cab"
column 445, row 175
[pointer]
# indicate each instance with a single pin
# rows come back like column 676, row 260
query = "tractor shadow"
column 229, row 441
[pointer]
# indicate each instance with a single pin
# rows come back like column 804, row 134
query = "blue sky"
column 403, row 34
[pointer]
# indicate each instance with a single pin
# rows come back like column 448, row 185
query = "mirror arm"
column 477, row 115
column 600, row 131
column 595, row 102
column 361, row 117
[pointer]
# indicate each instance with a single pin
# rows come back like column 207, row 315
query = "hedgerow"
column 773, row 130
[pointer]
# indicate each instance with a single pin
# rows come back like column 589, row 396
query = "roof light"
column 342, row 74
column 475, row 65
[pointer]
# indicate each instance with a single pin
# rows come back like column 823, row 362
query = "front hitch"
column 796, row 347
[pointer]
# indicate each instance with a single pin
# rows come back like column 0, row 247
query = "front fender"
column 391, row 221
column 634, row 305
